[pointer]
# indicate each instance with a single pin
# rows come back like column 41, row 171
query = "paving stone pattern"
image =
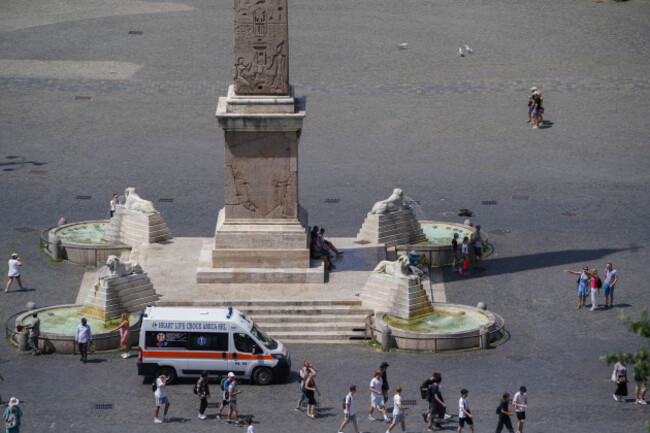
column 450, row 131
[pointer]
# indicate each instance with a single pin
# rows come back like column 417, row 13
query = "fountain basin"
column 437, row 247
column 449, row 327
column 82, row 243
column 59, row 325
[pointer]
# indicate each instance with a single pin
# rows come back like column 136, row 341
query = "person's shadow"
column 546, row 124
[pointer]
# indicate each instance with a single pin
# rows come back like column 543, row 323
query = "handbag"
column 91, row 347
column 614, row 375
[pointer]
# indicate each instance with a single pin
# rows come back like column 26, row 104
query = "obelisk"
column 261, row 234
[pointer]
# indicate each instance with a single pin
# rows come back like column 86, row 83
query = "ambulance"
column 184, row 341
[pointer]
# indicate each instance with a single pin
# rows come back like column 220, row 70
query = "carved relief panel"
column 261, row 51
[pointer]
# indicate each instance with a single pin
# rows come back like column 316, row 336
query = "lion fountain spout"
column 120, row 286
column 393, row 289
column 391, row 222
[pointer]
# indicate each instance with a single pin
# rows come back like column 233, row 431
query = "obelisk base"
column 259, row 251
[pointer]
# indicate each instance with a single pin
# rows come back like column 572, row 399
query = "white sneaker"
column 157, row 420
column 642, row 401
column 447, row 416
column 201, row 416
column 535, row 127
column 371, row 418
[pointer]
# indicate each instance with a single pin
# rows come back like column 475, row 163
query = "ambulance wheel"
column 263, row 376
column 169, row 372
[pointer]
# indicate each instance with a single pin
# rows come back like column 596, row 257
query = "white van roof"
column 197, row 314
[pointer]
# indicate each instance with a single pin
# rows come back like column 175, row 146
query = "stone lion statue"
column 399, row 267
column 392, row 203
column 135, row 202
column 122, row 269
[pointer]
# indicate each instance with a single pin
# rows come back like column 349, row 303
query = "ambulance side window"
column 245, row 344
column 217, row 341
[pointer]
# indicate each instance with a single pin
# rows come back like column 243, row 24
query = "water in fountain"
column 417, row 210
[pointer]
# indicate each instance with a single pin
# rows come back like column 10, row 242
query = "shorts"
column 225, row 402
column 161, row 401
column 536, row 113
column 398, row 418
column 436, row 410
column 462, row 421
column 639, row 386
column 530, row 108
column 233, row 404
column 350, row 418
column 609, row 290
column 302, row 397
column 478, row 251
column 377, row 400
column 521, row 415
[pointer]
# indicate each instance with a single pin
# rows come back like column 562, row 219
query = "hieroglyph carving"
column 261, row 52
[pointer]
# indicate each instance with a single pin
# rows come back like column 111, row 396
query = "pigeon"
column 460, row 52
column 468, row 49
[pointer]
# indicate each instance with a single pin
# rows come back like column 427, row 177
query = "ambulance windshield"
column 270, row 343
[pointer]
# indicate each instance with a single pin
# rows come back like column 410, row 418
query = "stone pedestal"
column 261, row 234
column 111, row 297
column 396, row 295
column 392, row 228
column 136, row 228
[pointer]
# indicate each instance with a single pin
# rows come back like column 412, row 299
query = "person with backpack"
column 225, row 399
column 306, row 368
column 12, row 416
column 504, row 415
column 437, row 406
column 202, row 389
column 596, row 284
column 161, row 398
column 233, row 392
column 349, row 414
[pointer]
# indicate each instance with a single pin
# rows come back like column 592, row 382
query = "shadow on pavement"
column 508, row 265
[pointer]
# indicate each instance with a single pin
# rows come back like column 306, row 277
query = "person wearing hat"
column 233, row 391
column 12, row 416
column 14, row 271
column 454, row 253
column 520, row 402
column 225, row 399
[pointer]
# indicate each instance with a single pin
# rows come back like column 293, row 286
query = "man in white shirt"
column 14, row 271
column 520, row 402
column 82, row 338
column 161, row 398
column 377, row 397
column 464, row 416
column 349, row 414
column 399, row 414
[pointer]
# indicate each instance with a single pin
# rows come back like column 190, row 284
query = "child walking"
column 399, row 414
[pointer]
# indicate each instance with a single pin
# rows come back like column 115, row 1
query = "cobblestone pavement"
column 450, row 131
